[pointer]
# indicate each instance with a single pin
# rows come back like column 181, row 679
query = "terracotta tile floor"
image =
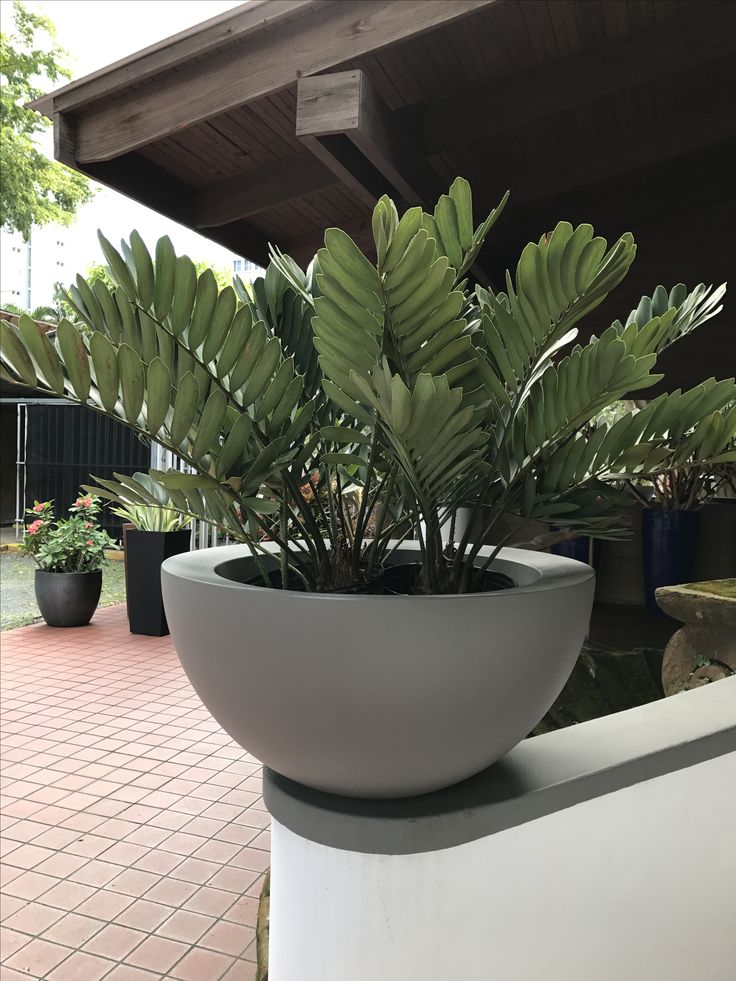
column 134, row 836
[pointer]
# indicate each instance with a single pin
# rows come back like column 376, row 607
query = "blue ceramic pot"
column 575, row 548
column 669, row 545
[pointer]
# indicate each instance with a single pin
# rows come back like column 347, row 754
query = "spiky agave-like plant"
column 334, row 410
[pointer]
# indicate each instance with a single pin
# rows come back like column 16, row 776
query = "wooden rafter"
column 258, row 190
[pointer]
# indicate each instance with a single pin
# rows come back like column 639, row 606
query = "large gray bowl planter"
column 377, row 696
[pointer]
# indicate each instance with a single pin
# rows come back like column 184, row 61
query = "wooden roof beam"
column 258, row 190
column 345, row 104
column 672, row 47
column 239, row 73
column 239, row 24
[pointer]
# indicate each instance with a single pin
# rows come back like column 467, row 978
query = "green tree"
column 34, row 189
column 223, row 277
column 61, row 307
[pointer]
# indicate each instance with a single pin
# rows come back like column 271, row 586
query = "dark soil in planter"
column 372, row 587
column 396, row 580
column 403, row 580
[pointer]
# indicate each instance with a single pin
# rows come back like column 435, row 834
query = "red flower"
column 90, row 542
column 38, row 507
column 34, row 526
column 84, row 502
column 88, row 524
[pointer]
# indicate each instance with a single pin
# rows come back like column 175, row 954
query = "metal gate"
column 62, row 446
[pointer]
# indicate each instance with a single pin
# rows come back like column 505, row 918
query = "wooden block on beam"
column 328, row 104
column 346, row 104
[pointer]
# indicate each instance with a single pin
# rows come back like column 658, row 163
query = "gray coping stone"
column 540, row 776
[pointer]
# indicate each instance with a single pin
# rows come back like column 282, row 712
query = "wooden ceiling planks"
column 168, row 155
column 565, row 25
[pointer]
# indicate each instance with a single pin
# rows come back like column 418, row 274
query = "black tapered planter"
column 68, row 599
column 144, row 553
column 669, row 546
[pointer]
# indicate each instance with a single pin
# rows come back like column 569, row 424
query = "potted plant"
column 337, row 651
column 672, row 503
column 69, row 554
column 150, row 535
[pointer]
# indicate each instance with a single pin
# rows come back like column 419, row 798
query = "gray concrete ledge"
column 540, row 776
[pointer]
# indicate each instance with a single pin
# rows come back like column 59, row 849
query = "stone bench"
column 704, row 649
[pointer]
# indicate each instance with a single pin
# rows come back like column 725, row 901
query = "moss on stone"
column 716, row 587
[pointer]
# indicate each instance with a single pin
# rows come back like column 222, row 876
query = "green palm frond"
column 392, row 379
column 664, row 317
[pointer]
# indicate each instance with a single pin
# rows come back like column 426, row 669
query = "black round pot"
column 68, row 599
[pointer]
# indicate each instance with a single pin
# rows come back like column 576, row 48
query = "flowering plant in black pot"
column 69, row 554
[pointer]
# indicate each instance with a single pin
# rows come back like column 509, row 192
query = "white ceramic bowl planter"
column 377, row 696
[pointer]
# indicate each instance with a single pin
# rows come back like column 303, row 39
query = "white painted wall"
column 637, row 885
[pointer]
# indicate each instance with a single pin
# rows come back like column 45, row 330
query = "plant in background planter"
column 397, row 376
column 150, row 535
column 69, row 555
column 672, row 503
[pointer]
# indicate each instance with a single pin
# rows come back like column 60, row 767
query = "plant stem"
column 361, row 519
column 284, row 531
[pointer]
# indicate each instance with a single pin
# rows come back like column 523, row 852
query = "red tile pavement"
column 133, row 834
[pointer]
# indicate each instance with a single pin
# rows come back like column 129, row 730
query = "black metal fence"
column 66, row 445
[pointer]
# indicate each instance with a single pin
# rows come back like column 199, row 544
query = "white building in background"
column 29, row 270
column 55, row 253
column 247, row 270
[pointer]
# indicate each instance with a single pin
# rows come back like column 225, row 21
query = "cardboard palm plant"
column 334, row 410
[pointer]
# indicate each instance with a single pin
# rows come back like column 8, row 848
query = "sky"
column 96, row 33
